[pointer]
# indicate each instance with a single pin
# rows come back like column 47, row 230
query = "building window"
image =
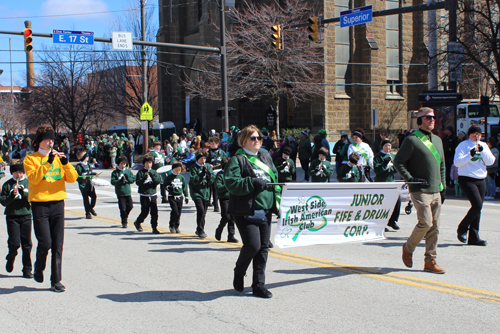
column 393, row 49
column 342, row 50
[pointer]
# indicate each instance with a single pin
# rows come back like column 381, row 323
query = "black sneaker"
column 271, row 245
column 9, row 266
column 38, row 277
column 93, row 212
column 218, row 233
column 124, row 225
column 394, row 226
column 261, row 291
column 216, row 210
column 27, row 274
column 138, row 226
column 239, row 282
column 88, row 216
column 172, row 230
column 232, row 239
column 177, row 230
column 202, row 235
column 58, row 287
column 155, row 231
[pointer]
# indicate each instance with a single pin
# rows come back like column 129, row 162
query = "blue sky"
column 46, row 15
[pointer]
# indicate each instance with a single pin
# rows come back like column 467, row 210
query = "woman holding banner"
column 251, row 202
column 471, row 157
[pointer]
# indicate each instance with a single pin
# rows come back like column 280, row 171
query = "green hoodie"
column 222, row 191
column 15, row 206
column 150, row 187
column 121, row 188
column 284, row 173
column 320, row 176
column 384, row 171
column 179, row 185
column 200, row 182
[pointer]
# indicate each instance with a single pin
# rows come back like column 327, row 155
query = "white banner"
column 329, row 213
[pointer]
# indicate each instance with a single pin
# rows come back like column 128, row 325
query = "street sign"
column 456, row 73
column 122, row 41
column 146, row 112
column 455, row 53
column 144, row 125
column 73, row 37
column 356, row 16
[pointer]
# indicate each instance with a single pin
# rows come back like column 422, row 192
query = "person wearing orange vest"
column 48, row 171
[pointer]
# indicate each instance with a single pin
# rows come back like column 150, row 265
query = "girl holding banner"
column 252, row 201
column 365, row 153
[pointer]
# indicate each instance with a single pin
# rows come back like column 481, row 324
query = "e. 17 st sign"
column 73, row 37
column 356, row 16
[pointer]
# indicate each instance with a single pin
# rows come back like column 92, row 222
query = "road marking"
column 453, row 289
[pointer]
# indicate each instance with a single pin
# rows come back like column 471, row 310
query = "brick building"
column 380, row 65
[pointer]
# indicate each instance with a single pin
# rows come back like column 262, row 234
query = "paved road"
column 122, row 281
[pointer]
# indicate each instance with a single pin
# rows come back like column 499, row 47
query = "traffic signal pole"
column 144, row 75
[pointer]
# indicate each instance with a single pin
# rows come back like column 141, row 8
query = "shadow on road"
column 4, row 291
column 193, row 249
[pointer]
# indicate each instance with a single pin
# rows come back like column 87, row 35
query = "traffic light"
column 28, row 40
column 313, row 29
column 276, row 36
column 485, row 102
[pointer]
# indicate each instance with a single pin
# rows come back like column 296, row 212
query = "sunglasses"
column 253, row 138
column 429, row 117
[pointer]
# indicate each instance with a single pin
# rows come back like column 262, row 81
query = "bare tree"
column 256, row 69
column 478, row 32
column 124, row 73
column 74, row 80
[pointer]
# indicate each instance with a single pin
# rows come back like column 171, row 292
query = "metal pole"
column 11, row 74
column 223, row 65
column 452, row 14
column 433, row 71
column 144, row 72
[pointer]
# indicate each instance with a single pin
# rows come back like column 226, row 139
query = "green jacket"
column 222, row 191
column 159, row 159
column 150, row 187
column 179, row 185
column 414, row 159
column 285, row 170
column 242, row 186
column 324, row 174
column 215, row 157
column 84, row 184
column 384, row 171
column 15, row 206
column 122, row 188
column 199, row 182
column 349, row 174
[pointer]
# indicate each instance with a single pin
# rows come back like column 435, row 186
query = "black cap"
column 16, row 168
column 383, row 142
column 287, row 150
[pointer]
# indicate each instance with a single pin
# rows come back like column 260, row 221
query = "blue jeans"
column 490, row 185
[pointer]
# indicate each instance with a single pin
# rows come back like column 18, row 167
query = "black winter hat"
column 385, row 141
column 16, row 168
column 287, row 150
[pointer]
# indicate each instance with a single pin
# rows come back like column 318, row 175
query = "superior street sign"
column 356, row 16
column 73, row 37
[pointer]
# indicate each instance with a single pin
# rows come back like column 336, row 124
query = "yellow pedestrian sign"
column 146, row 112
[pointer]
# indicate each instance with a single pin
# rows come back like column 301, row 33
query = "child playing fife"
column 122, row 178
column 320, row 170
column 351, row 172
column 176, row 185
column 84, row 183
column 148, row 179
column 14, row 197
column 285, row 165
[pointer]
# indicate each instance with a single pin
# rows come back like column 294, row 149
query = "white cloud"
column 65, row 7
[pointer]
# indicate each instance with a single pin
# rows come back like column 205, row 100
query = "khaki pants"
column 428, row 207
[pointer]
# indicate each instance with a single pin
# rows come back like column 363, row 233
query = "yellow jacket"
column 47, row 182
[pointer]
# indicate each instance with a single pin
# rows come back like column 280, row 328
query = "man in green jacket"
column 14, row 197
column 420, row 161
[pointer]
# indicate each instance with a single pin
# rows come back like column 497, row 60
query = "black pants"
column 175, row 211
column 48, row 222
column 19, row 231
column 226, row 218
column 201, row 212
column 304, row 163
column 395, row 214
column 255, row 238
column 475, row 190
column 148, row 205
column 125, row 204
column 215, row 198
column 163, row 192
column 448, row 163
column 89, row 205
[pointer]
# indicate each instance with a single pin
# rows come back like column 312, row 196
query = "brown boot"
column 432, row 267
column 407, row 257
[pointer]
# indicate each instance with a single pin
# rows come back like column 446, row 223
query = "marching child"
column 223, row 195
column 176, row 186
column 148, row 179
column 159, row 161
column 201, row 178
column 215, row 154
column 122, row 178
column 320, row 169
column 87, row 189
column 351, row 172
column 285, row 166
column 14, row 197
column 454, row 178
